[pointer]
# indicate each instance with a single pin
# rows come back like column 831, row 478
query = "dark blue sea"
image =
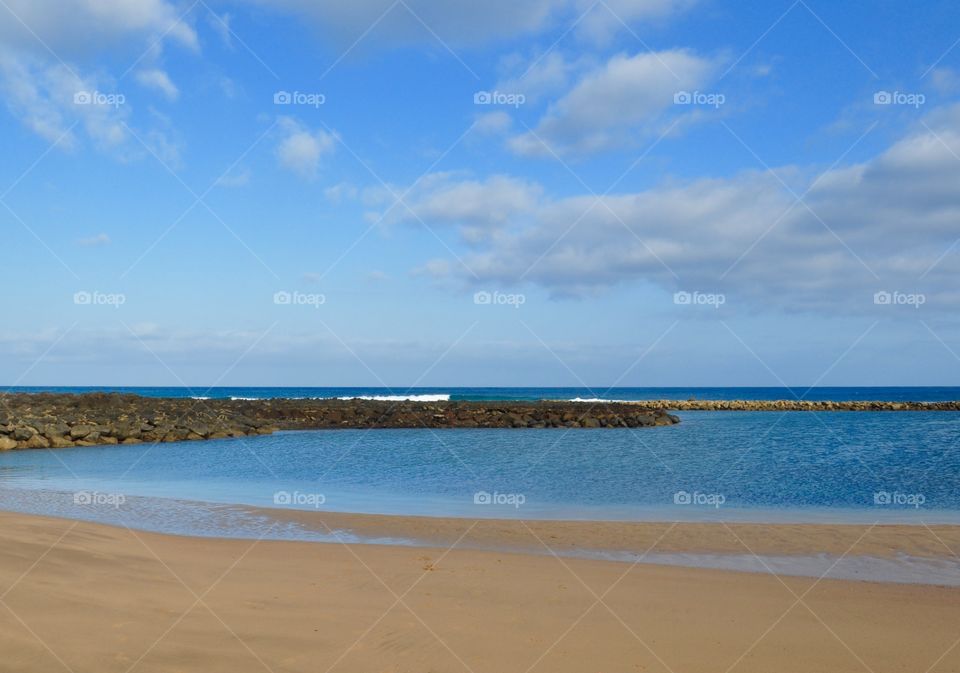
column 580, row 393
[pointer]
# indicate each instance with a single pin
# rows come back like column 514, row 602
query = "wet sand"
column 538, row 536
column 85, row 597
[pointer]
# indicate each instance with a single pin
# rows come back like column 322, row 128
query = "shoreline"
column 792, row 405
column 530, row 535
column 920, row 540
column 83, row 596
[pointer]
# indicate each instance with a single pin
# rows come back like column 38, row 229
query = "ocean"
column 895, row 394
column 841, row 467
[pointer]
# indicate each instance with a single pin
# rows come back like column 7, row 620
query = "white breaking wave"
column 400, row 398
column 198, row 397
column 379, row 398
column 596, row 400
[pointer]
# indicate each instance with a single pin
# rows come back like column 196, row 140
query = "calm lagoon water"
column 840, row 467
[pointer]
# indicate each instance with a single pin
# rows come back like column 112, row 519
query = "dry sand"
column 83, row 597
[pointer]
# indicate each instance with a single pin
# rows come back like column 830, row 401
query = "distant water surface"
column 896, row 394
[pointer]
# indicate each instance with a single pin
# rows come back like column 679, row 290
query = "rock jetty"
column 794, row 405
column 53, row 420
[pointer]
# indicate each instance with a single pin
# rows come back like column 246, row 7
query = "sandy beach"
column 84, row 597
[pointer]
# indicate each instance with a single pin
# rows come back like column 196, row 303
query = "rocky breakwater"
column 42, row 420
column 48, row 420
column 794, row 405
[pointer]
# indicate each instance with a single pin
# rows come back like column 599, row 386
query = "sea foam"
column 399, row 398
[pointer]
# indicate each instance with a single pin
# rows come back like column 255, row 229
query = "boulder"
column 80, row 431
column 36, row 442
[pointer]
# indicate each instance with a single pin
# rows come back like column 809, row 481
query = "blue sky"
column 650, row 192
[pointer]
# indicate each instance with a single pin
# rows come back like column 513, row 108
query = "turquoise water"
column 795, row 466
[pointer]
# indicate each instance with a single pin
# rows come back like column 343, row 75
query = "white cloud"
column 49, row 54
column 605, row 19
column 159, row 80
column 894, row 215
column 73, row 27
column 229, row 87
column 945, row 80
column 477, row 207
column 93, row 241
column 542, row 75
column 300, row 149
column 613, row 104
column 235, row 179
column 53, row 101
column 460, row 22
column 493, row 123
column 340, row 192
column 220, row 23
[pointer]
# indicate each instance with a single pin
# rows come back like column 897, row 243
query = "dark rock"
column 91, row 419
column 59, row 442
column 81, row 431
column 35, row 442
